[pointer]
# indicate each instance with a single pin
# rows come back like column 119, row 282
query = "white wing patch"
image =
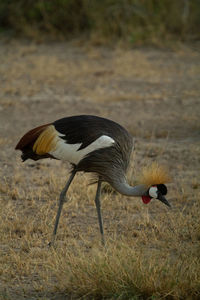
column 70, row 153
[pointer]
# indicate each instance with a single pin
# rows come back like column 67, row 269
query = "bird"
column 92, row 144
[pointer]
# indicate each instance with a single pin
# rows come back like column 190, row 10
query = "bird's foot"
column 52, row 242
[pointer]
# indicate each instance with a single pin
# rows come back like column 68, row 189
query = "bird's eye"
column 162, row 188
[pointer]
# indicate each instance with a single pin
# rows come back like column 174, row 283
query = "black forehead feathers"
column 162, row 188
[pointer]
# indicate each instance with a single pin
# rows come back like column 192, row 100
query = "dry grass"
column 152, row 252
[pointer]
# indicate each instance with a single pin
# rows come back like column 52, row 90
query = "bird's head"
column 159, row 192
column 154, row 177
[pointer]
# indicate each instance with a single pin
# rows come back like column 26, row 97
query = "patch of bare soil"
column 154, row 94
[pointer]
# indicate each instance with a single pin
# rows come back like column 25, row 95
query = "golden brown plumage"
column 154, row 174
column 46, row 141
column 30, row 137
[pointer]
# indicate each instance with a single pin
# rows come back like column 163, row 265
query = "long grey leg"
column 61, row 201
column 98, row 207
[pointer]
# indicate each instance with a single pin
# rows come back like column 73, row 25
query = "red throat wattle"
column 146, row 199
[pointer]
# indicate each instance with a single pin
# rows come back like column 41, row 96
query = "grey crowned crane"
column 91, row 144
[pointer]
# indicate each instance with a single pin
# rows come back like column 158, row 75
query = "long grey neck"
column 125, row 189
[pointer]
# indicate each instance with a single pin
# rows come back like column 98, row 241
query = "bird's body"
column 90, row 144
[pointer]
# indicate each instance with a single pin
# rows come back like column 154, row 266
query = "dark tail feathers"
column 26, row 143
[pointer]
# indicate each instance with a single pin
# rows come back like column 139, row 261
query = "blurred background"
column 132, row 21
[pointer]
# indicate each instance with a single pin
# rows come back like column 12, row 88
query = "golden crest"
column 154, row 174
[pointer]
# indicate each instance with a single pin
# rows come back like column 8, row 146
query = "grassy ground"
column 152, row 252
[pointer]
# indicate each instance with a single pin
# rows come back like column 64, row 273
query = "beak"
column 163, row 199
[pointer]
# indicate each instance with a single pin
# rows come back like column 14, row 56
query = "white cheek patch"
column 153, row 192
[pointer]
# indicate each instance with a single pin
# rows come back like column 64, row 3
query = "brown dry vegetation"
column 152, row 252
